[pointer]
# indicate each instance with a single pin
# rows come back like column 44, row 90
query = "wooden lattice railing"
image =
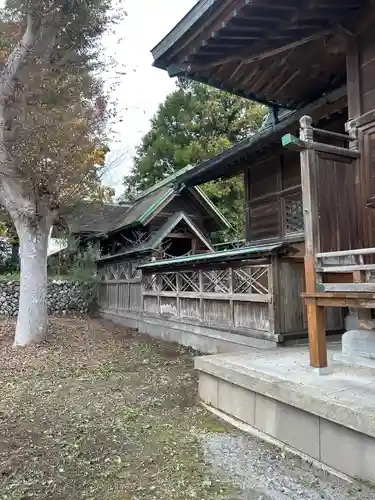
column 120, row 286
column 236, row 298
column 249, row 283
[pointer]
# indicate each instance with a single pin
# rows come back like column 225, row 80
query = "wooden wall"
column 339, row 228
column 253, row 300
column 185, row 203
column 120, row 286
column 273, row 191
column 361, row 104
column 269, row 185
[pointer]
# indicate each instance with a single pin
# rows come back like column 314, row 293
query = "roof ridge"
column 163, row 182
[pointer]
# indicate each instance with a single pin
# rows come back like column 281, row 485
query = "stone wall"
column 64, row 298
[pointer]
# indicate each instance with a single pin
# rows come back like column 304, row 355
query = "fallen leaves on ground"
column 100, row 412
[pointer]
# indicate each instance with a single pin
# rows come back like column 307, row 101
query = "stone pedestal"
column 358, row 347
column 360, row 343
column 351, row 320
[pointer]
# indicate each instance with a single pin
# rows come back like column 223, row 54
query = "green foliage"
column 194, row 123
column 77, row 262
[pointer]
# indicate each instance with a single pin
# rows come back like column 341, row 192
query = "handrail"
column 330, row 133
column 346, row 253
column 345, row 269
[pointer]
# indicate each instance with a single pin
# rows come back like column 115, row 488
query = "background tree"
column 194, row 123
column 52, row 120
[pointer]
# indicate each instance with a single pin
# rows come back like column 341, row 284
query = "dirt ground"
column 102, row 413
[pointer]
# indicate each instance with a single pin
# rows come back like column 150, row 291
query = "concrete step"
column 328, row 418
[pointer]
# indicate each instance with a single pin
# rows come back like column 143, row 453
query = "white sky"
column 143, row 87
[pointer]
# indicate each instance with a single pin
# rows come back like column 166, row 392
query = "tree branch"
column 16, row 58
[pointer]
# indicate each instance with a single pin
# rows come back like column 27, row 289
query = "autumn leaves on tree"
column 52, row 129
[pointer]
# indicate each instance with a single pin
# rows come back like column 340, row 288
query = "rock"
column 62, row 298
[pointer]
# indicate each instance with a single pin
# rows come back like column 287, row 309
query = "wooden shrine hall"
column 288, row 55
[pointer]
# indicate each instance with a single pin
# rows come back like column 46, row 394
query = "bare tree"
column 52, row 116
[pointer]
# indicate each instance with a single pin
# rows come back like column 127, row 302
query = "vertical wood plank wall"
column 360, row 63
column 338, row 217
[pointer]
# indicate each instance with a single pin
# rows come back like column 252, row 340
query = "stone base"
column 329, row 419
column 200, row 338
column 348, row 359
column 359, row 343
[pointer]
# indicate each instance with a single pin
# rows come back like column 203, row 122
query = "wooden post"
column 142, row 291
column 231, row 302
column 274, row 290
column 201, row 291
column 315, row 314
column 178, row 290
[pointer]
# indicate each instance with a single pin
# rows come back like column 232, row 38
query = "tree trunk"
column 32, row 314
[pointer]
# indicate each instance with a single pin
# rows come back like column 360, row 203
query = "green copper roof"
column 144, row 207
column 224, row 255
column 146, row 204
column 158, row 236
column 168, row 181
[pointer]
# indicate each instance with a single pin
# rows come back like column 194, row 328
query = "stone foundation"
column 329, row 419
column 64, row 297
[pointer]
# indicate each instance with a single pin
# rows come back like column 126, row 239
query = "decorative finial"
column 306, row 132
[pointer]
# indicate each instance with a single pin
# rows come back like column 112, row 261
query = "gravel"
column 264, row 472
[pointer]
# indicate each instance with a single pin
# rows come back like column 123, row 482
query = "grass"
column 101, row 413
column 11, row 276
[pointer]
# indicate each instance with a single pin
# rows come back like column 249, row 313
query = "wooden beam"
column 292, row 142
column 339, row 295
column 180, row 235
column 222, row 15
column 353, row 81
column 346, row 269
column 239, row 297
column 260, row 54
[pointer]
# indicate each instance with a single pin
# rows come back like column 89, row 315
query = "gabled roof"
column 284, row 53
column 144, row 207
column 149, row 203
column 94, row 218
column 156, row 238
column 173, row 222
column 90, row 217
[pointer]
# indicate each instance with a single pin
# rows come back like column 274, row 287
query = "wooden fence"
column 237, row 298
column 258, row 300
column 120, row 286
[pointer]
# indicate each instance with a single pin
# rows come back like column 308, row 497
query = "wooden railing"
column 350, row 263
column 237, row 298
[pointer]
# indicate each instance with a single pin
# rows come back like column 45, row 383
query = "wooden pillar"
column 315, row 313
column 247, row 214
